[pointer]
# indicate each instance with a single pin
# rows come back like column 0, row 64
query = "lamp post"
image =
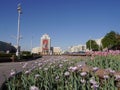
column 18, row 32
column 31, row 44
column 90, row 44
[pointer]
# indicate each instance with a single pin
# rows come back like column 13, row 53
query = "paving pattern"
column 5, row 68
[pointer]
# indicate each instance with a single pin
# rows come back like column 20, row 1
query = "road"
column 5, row 68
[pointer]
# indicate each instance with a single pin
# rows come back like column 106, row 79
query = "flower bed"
column 68, row 75
column 105, row 62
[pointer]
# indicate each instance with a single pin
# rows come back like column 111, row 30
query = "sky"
column 67, row 22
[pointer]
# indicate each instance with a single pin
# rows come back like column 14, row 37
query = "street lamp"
column 18, row 32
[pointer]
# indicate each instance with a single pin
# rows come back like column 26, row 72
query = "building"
column 36, row 50
column 45, row 47
column 98, row 41
column 57, row 50
column 77, row 48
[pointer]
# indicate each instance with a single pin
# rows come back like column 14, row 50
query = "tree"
column 118, row 38
column 110, row 39
column 92, row 45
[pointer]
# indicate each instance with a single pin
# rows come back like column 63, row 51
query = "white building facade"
column 36, row 50
column 57, row 50
column 98, row 41
column 77, row 48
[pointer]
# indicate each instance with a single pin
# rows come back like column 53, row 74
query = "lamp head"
column 19, row 8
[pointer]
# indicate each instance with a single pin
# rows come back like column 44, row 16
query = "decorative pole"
column 90, row 44
column 18, row 33
column 31, row 44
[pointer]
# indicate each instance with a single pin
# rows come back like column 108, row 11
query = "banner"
column 45, row 44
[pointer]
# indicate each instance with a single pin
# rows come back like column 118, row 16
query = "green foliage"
column 26, row 52
column 6, row 57
column 27, row 55
column 110, row 39
column 105, row 62
column 91, row 44
column 58, row 76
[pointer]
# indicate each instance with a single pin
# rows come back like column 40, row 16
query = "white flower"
column 12, row 72
column 95, row 86
column 65, row 60
column 60, row 65
column 112, row 71
column 34, row 88
column 83, row 73
column 73, row 68
column 82, row 81
column 37, row 75
column 27, row 71
column 57, row 77
column 39, row 64
column 36, row 62
column 66, row 73
column 117, row 77
column 24, row 66
column 105, row 76
column 92, row 81
column 40, row 68
column 95, row 68
column 33, row 67
column 79, row 66
column 45, row 69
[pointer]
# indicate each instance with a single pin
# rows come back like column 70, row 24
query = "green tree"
column 92, row 45
column 118, row 38
column 110, row 39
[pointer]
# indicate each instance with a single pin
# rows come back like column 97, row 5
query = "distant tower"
column 45, row 44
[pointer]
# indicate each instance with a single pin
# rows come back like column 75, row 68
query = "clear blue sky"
column 68, row 22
